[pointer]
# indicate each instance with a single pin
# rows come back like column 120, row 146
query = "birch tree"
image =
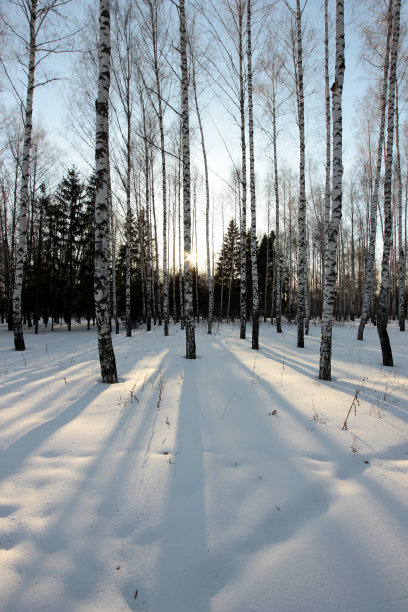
column 210, row 279
column 302, row 256
column 226, row 22
column 370, row 264
column 273, row 106
column 382, row 318
column 101, row 278
column 147, row 246
column 278, row 249
column 243, row 273
column 153, row 27
column 188, row 285
column 296, row 35
column 327, row 191
column 401, row 249
column 254, row 263
column 331, row 253
column 35, row 14
column 123, row 74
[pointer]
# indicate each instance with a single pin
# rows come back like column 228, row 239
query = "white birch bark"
column 278, row 250
column 122, row 73
column 180, row 254
column 148, row 222
column 188, row 289
column 157, row 292
column 401, row 250
column 128, row 321
column 101, row 278
column 243, row 275
column 370, row 264
column 164, row 200
column 19, row 343
column 268, row 233
column 327, row 190
column 352, row 292
column 36, row 17
column 176, row 189
column 112, row 238
column 254, row 263
column 331, row 253
column 307, row 290
column 382, row 319
column 210, row 279
column 302, row 256
column 153, row 9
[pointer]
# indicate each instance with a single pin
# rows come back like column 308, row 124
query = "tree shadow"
column 13, row 457
column 182, row 569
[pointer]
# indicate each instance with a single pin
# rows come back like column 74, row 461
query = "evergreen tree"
column 227, row 272
column 70, row 198
column 266, row 259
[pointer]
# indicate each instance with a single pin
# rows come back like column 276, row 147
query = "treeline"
column 59, row 266
column 325, row 232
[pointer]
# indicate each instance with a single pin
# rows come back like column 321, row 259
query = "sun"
column 198, row 258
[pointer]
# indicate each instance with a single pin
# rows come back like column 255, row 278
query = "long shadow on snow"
column 312, row 499
column 12, row 458
column 280, row 402
column 101, row 491
column 182, row 573
column 347, row 464
column 336, row 384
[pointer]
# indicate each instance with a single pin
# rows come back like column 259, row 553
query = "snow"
column 181, row 485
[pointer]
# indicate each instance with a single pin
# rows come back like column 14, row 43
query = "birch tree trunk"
column 370, row 264
column 210, row 279
column 122, row 75
column 181, row 278
column 154, row 26
column 268, row 233
column 401, row 250
column 148, row 220
column 112, row 238
column 382, row 318
column 243, row 280
column 352, row 292
column 195, row 250
column 327, row 190
column 254, row 263
column 330, row 264
column 176, row 189
column 278, row 250
column 101, row 278
column 157, row 291
column 128, row 321
column 307, row 290
column 302, row 257
column 19, row 343
column 188, row 289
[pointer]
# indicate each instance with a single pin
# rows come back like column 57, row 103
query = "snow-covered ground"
column 224, row 484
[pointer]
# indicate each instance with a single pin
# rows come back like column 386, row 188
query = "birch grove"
column 374, row 201
column 207, row 207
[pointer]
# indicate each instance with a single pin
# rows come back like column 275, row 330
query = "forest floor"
column 223, row 484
